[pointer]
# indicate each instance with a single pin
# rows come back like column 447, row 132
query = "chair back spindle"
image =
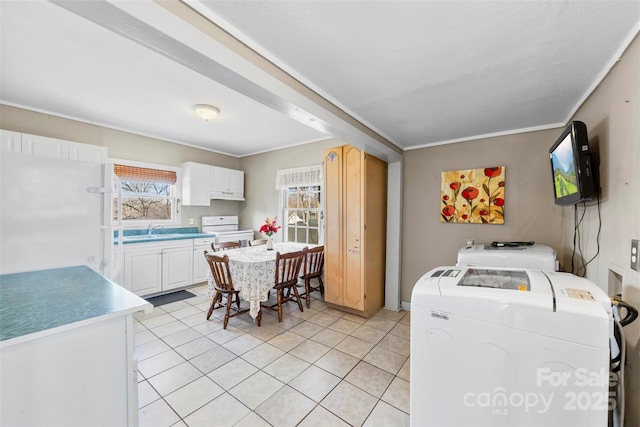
column 223, row 285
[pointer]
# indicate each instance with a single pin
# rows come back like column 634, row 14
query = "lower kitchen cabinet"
column 70, row 362
column 177, row 267
column 151, row 268
column 200, row 266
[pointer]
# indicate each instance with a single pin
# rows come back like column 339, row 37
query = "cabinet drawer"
column 204, row 241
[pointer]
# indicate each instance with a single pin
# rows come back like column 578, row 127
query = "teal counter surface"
column 38, row 301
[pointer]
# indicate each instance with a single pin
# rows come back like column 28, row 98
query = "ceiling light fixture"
column 207, row 112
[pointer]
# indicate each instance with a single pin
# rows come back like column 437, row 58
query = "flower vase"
column 269, row 244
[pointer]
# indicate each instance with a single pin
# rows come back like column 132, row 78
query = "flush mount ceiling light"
column 207, row 112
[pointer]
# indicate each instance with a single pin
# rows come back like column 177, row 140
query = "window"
column 301, row 203
column 148, row 194
column 302, row 214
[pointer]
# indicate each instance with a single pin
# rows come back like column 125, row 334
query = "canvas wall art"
column 473, row 196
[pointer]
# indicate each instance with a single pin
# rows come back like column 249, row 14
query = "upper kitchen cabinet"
column 196, row 184
column 201, row 183
column 10, row 141
column 43, row 146
column 226, row 184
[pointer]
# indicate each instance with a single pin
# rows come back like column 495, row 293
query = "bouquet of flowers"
column 269, row 227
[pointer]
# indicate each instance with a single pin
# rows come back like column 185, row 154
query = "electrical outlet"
column 192, row 221
column 635, row 255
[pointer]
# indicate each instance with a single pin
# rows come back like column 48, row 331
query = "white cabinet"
column 143, row 268
column 226, row 184
column 201, row 183
column 43, row 146
column 177, row 267
column 151, row 268
column 195, row 184
column 200, row 266
column 87, row 152
column 10, row 141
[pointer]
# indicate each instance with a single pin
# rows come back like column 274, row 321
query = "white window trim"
column 177, row 217
column 303, row 176
column 282, row 207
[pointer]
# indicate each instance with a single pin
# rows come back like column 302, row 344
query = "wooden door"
column 333, row 249
column 353, row 228
column 375, row 231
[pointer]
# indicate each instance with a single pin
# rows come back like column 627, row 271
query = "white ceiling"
column 416, row 72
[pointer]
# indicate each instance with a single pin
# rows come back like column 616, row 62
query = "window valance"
column 299, row 177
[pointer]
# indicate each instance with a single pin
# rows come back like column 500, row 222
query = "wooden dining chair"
column 312, row 269
column 218, row 247
column 223, row 284
column 287, row 271
column 257, row 242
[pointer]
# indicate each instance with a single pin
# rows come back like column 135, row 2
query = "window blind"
column 135, row 173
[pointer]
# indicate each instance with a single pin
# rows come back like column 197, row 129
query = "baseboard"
column 405, row 305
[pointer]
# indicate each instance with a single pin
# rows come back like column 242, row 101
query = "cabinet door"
column 333, row 248
column 200, row 266
column 177, row 265
column 10, row 141
column 87, row 152
column 353, row 229
column 196, row 184
column 45, row 147
column 143, row 271
column 218, row 180
column 235, row 182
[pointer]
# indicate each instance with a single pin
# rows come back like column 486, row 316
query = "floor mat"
column 169, row 298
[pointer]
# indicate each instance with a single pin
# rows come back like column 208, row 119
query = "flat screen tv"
column 573, row 179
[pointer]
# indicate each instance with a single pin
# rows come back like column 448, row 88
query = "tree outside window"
column 147, row 194
column 302, row 213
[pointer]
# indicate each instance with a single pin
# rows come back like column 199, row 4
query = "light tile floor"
column 322, row 367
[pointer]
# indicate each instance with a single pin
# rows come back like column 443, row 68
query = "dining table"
column 253, row 270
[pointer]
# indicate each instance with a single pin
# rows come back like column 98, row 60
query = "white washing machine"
column 506, row 254
column 509, row 347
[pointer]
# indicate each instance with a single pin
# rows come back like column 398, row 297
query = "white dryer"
column 509, row 254
column 509, row 347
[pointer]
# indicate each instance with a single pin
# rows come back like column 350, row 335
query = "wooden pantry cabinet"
column 355, row 206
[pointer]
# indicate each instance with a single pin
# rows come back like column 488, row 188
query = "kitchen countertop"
column 39, row 303
column 163, row 234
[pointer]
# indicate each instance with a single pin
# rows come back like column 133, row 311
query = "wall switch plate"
column 192, row 221
column 635, row 254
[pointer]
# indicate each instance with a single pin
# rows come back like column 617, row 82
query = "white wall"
column 260, row 192
column 530, row 213
column 124, row 145
column 612, row 116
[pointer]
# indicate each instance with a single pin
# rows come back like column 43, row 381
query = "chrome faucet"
column 152, row 227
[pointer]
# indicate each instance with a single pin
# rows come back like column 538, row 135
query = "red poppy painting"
column 473, row 196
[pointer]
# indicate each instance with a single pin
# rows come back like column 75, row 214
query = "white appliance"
column 53, row 214
column 537, row 257
column 509, row 347
column 225, row 228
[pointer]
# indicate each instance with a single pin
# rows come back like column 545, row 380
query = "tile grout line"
column 263, row 341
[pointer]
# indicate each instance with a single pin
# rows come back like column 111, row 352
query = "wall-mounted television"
column 573, row 176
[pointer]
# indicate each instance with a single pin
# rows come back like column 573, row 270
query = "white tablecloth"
column 253, row 271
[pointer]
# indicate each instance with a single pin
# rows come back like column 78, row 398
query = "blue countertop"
column 39, row 301
column 159, row 235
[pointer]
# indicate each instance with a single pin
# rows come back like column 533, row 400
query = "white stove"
column 225, row 228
